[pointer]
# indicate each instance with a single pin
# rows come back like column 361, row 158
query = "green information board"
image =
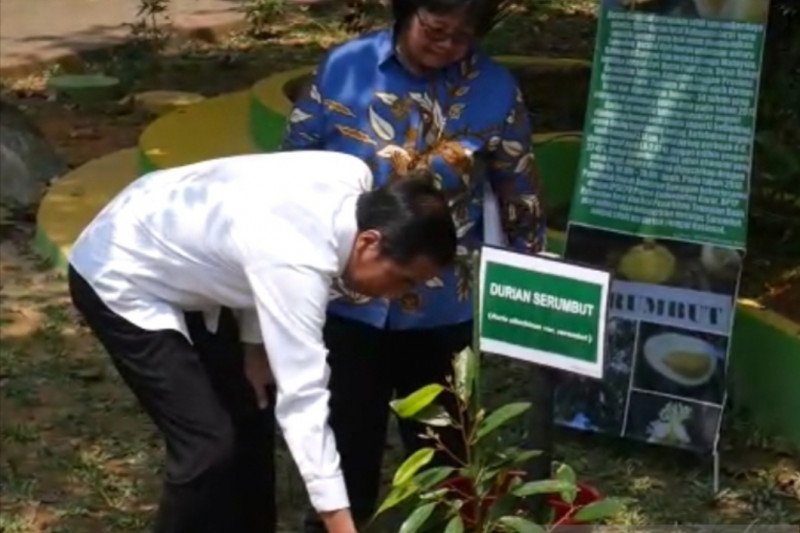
column 670, row 126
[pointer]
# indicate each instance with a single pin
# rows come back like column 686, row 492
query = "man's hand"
column 339, row 521
column 256, row 369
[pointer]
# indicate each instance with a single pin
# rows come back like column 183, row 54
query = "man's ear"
column 367, row 239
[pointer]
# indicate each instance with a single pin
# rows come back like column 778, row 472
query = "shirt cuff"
column 328, row 494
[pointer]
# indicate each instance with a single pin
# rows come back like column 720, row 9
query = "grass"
column 760, row 475
column 77, row 453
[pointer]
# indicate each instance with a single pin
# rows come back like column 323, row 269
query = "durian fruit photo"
column 647, row 262
column 656, row 261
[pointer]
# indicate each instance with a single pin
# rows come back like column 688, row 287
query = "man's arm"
column 514, row 177
column 257, row 372
column 290, row 303
column 256, row 365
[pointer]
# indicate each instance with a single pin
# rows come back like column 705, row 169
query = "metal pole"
column 540, row 431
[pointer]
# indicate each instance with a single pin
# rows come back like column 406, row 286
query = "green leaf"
column 544, row 486
column 417, row 518
column 514, row 483
column 520, row 525
column 434, row 495
column 396, row 496
column 432, row 477
column 434, row 415
column 566, row 473
column 523, row 456
column 569, row 495
column 484, row 482
column 416, row 401
column 465, row 369
column 487, row 475
column 520, row 456
column 504, row 505
column 515, row 456
column 410, row 466
column 455, row 525
column 599, row 510
column 501, row 416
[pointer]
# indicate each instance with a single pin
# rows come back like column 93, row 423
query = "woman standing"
column 417, row 95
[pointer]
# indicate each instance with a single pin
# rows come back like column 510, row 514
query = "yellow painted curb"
column 162, row 102
column 74, row 200
column 216, row 127
column 771, row 318
column 270, row 93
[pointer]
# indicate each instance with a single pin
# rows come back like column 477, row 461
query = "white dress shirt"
column 261, row 234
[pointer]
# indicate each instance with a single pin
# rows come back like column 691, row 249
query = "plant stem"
column 441, row 445
column 566, row 516
column 465, row 437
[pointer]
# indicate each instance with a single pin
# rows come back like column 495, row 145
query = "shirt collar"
column 345, row 229
column 384, row 45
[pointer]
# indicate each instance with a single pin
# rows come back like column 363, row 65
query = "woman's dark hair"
column 481, row 14
column 413, row 218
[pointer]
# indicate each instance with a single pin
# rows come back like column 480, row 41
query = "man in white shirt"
column 264, row 236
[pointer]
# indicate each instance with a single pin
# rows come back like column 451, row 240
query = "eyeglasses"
column 438, row 35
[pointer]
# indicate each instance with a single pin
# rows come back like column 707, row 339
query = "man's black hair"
column 413, row 218
column 481, row 14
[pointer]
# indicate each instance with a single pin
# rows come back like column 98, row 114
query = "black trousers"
column 219, row 474
column 369, row 367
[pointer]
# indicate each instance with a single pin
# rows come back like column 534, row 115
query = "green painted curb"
column 85, row 89
column 267, row 126
column 51, row 252
column 144, row 164
column 765, row 370
column 270, row 107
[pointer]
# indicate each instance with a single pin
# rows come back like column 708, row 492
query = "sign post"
column 548, row 313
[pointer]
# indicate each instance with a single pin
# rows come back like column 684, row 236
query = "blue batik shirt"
column 467, row 123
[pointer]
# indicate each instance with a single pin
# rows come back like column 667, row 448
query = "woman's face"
column 434, row 41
